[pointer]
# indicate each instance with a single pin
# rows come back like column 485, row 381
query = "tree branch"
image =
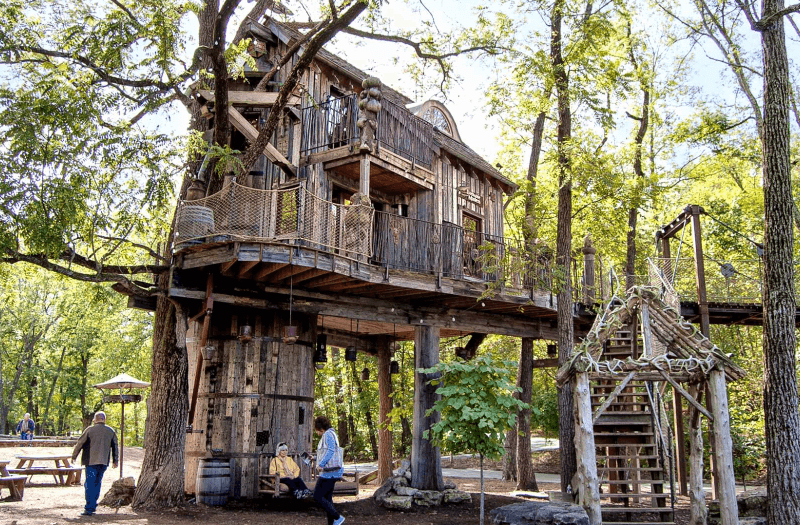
column 767, row 21
column 262, row 84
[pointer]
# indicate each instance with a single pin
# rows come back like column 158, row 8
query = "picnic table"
column 63, row 472
column 15, row 484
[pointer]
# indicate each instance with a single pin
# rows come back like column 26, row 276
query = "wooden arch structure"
column 635, row 350
column 437, row 114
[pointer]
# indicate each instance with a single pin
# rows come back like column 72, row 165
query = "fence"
column 333, row 124
column 247, row 214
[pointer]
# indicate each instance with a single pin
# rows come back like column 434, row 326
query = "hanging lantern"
column 245, row 333
column 394, row 367
column 552, row 350
column 350, row 353
column 321, row 355
column 365, row 374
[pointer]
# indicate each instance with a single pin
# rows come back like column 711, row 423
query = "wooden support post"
column 589, row 252
column 426, row 464
column 363, row 182
column 723, row 449
column 697, row 497
column 209, row 307
column 588, row 489
column 680, row 458
column 384, row 391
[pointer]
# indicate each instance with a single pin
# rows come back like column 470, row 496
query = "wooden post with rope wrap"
column 209, row 307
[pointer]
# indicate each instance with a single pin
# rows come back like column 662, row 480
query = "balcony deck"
column 268, row 242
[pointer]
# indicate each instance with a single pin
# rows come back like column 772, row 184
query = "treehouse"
column 366, row 221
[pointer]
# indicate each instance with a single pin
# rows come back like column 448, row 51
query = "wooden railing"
column 449, row 250
column 333, row 124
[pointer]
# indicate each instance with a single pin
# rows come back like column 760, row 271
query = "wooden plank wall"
column 251, row 387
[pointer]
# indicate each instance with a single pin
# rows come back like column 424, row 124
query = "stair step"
column 618, row 495
column 624, row 413
column 629, row 482
column 622, row 434
column 637, row 522
column 638, row 510
column 629, row 469
column 624, row 420
column 653, row 456
column 621, row 394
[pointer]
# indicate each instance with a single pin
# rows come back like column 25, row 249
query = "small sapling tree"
column 477, row 407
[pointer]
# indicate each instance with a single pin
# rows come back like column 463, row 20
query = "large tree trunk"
column 633, row 212
column 782, row 420
column 161, row 481
column 426, row 467
column 367, row 413
column 566, row 430
column 384, row 407
column 510, row 457
column 526, row 478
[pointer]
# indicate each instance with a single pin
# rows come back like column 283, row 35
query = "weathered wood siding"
column 251, row 394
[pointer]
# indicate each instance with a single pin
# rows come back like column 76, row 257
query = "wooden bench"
column 269, row 484
column 15, row 485
column 61, row 475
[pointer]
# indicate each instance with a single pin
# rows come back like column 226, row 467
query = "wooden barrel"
column 213, row 481
column 194, row 223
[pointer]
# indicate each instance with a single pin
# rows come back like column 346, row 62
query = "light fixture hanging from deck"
column 365, row 374
column 290, row 332
column 321, row 356
column 552, row 350
column 394, row 367
column 350, row 354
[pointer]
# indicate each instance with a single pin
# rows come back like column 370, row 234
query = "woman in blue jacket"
column 329, row 463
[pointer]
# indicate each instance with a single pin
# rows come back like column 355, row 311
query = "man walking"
column 97, row 442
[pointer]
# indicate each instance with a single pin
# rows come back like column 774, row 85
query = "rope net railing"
column 242, row 213
column 732, row 281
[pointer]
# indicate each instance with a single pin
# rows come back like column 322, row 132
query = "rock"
column 540, row 513
column 407, row 475
column 405, row 466
column 752, row 502
column 399, row 481
column 120, row 493
column 406, row 491
column 456, row 496
column 397, row 502
column 428, row 498
column 384, row 491
column 760, row 520
column 449, row 485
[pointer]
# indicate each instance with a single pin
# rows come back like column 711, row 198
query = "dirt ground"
column 47, row 504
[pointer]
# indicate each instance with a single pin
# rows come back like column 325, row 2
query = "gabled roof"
column 287, row 33
column 465, row 153
column 672, row 344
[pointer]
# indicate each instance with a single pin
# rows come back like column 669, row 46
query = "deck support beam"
column 426, row 464
column 697, row 497
column 588, row 486
column 723, row 448
column 385, row 406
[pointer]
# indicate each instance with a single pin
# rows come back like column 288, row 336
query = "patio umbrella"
column 122, row 381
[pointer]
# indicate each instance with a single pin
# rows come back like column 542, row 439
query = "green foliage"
column 477, row 405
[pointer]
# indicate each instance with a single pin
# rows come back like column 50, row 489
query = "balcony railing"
column 333, row 124
column 295, row 216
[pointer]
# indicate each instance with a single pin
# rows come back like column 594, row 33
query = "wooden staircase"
column 632, row 467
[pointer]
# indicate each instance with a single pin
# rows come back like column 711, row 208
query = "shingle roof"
column 465, row 153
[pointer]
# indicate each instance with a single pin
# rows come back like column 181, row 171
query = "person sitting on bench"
column 289, row 472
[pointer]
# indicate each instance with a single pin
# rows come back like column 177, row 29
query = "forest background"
column 694, row 68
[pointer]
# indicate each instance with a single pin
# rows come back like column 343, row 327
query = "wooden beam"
column 268, row 270
column 367, row 309
column 209, row 307
column 328, row 279
column 251, row 133
column 545, row 363
column 384, row 407
column 286, row 272
column 723, row 449
column 697, row 497
column 678, row 388
column 426, row 465
column 610, row 399
column 308, row 275
column 258, row 99
column 680, row 449
column 589, row 488
column 246, row 267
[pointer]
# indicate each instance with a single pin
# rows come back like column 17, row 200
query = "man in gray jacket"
column 97, row 442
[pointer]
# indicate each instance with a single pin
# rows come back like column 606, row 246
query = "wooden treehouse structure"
column 366, row 221
column 637, row 350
